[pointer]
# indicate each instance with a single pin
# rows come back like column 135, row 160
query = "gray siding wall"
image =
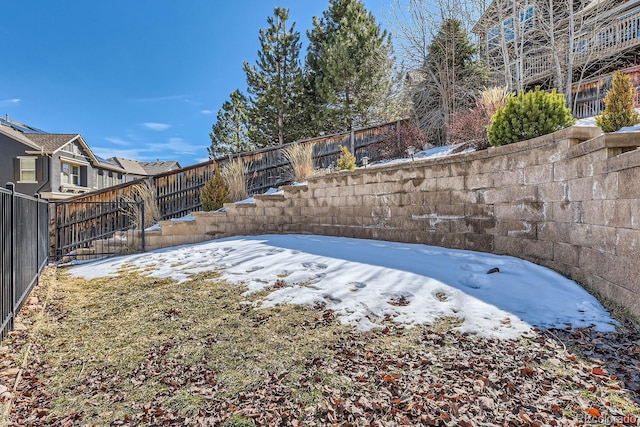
column 10, row 167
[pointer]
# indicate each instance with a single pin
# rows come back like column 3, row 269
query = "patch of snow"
column 154, row 227
column 247, row 200
column 272, row 190
column 188, row 217
column 628, row 129
column 362, row 280
column 586, row 122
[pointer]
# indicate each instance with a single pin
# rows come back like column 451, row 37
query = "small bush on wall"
column 346, row 161
column 619, row 105
column 215, row 192
column 529, row 115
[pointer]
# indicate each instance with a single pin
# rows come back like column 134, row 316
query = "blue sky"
column 140, row 79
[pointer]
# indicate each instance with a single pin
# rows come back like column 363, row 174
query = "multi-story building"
column 59, row 166
column 571, row 45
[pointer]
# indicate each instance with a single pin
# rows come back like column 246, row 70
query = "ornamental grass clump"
column 143, row 192
column 234, row 174
column 529, row 115
column 619, row 109
column 301, row 159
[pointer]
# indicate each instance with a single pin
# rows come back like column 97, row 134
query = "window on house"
column 507, row 28
column 70, row 174
column 28, row 169
column 493, row 38
column 526, row 18
column 580, row 46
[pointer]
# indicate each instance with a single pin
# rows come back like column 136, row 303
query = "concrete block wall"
column 569, row 201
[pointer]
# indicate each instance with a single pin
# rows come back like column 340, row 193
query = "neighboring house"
column 573, row 46
column 136, row 169
column 56, row 166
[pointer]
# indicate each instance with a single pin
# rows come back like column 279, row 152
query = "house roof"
column 131, row 166
column 48, row 143
column 158, row 167
column 52, row 142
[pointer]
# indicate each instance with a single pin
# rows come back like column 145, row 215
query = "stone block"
column 464, row 196
column 580, row 189
column 474, row 182
column 629, row 183
column 627, row 242
column 552, row 192
column 478, row 242
column 538, row 174
column 524, row 211
column 626, row 213
column 436, row 170
column 567, row 254
column 598, row 212
column 605, row 186
column 438, row 197
column 552, row 231
column 507, row 246
column 537, row 250
column 516, row 228
column 450, row 183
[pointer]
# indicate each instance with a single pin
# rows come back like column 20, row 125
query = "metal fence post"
column 142, row 210
column 37, row 197
column 12, row 187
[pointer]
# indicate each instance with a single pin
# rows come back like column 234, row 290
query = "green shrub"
column 619, row 110
column 215, row 192
column 529, row 115
column 346, row 161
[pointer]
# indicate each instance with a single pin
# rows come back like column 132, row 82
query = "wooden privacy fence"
column 24, row 237
column 177, row 192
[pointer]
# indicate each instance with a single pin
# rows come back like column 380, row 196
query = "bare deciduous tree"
column 432, row 38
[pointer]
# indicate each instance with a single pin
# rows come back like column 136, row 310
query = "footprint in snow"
column 475, row 281
column 314, row 266
column 356, row 286
column 473, row 267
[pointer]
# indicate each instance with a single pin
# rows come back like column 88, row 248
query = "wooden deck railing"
column 608, row 40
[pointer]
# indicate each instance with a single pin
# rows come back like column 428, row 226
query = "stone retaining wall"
column 569, row 201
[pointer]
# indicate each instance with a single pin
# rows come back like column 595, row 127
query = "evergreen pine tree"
column 619, row 105
column 229, row 133
column 275, row 84
column 215, row 192
column 349, row 67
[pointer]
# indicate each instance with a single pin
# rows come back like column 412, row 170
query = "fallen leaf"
column 594, row 412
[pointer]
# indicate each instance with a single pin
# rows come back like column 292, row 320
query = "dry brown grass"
column 494, row 98
column 103, row 330
column 104, row 348
column 301, row 158
column 145, row 192
column 234, row 174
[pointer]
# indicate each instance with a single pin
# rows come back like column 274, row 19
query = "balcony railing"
column 608, row 40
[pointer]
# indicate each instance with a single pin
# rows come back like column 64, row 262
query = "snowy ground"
column 366, row 281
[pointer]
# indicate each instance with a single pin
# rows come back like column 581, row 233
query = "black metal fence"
column 92, row 230
column 24, row 241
